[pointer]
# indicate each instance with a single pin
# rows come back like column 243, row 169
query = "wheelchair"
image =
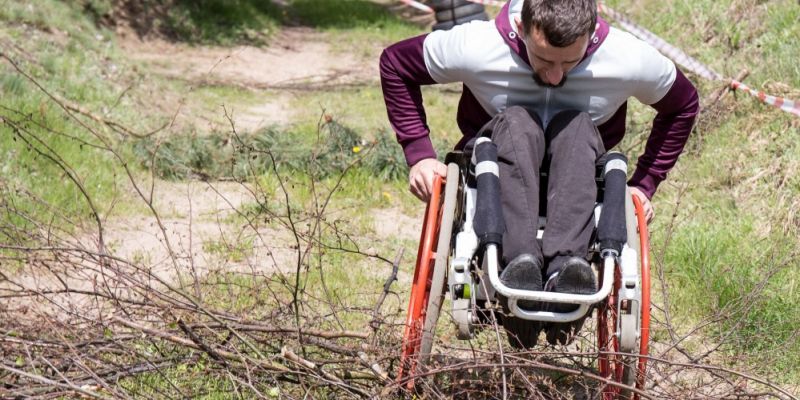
column 458, row 255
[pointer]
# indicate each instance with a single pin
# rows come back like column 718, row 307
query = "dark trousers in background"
column 569, row 148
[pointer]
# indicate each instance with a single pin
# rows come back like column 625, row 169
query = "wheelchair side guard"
column 483, row 224
column 466, row 244
column 612, row 228
column 629, row 299
column 489, row 223
column 459, row 277
column 616, row 232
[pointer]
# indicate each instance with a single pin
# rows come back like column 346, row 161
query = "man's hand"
column 648, row 207
column 420, row 178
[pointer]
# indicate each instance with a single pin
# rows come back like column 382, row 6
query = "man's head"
column 556, row 33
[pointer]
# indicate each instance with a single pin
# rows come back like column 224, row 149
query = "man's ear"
column 519, row 24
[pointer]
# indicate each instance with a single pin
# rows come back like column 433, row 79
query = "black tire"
column 629, row 370
column 443, row 26
column 453, row 14
column 441, row 5
column 522, row 334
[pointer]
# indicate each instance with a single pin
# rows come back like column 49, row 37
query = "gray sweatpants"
column 569, row 149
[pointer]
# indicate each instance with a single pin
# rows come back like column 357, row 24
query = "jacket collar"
column 507, row 28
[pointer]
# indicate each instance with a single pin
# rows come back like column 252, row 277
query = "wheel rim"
column 612, row 365
column 419, row 285
column 609, row 361
column 644, row 342
column 439, row 273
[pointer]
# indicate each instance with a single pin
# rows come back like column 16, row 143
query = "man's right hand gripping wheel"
column 420, row 177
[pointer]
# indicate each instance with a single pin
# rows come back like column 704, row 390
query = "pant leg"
column 573, row 147
column 520, row 144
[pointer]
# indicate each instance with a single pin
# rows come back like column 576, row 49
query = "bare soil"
column 195, row 217
column 297, row 59
column 194, row 214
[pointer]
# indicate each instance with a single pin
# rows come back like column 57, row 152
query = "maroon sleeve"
column 671, row 128
column 403, row 70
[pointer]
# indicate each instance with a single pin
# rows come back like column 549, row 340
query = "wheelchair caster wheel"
column 464, row 318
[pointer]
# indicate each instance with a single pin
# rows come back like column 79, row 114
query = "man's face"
column 550, row 63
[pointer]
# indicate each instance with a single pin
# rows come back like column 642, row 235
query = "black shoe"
column 524, row 272
column 575, row 277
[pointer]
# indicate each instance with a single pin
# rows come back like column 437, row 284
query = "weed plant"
column 354, row 27
column 218, row 22
column 225, row 22
column 222, row 156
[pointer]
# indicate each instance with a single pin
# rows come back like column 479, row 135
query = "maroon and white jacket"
column 490, row 59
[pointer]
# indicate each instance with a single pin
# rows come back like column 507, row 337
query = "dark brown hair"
column 561, row 21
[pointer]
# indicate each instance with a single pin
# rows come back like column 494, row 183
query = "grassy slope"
column 734, row 193
column 78, row 62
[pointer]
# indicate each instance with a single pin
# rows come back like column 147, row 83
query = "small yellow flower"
column 387, row 196
column 356, row 149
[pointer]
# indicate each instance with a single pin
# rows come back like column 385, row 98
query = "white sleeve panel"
column 451, row 55
column 655, row 75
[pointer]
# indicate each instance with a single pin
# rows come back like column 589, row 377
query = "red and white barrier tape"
column 691, row 64
column 790, row 106
column 417, row 5
column 674, row 53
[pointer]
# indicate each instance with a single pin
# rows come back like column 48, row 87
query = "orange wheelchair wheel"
column 631, row 369
column 420, row 286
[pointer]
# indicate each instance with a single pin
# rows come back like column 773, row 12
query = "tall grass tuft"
column 224, row 156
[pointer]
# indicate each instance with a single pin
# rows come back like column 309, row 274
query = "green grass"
column 225, row 22
column 720, row 271
column 353, row 17
column 197, row 377
column 79, row 65
column 234, row 251
column 209, row 22
column 353, row 26
column 737, row 228
column 320, row 152
column 363, row 110
column 736, row 225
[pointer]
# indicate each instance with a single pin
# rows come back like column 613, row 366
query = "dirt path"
column 197, row 233
column 194, row 214
column 297, row 59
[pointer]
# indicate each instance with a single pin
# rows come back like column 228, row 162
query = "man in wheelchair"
column 548, row 81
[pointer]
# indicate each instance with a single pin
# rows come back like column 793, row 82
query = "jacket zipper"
column 546, row 108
